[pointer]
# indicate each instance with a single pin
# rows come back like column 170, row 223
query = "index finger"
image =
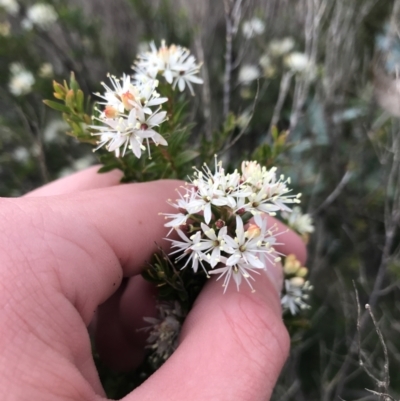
column 85, row 242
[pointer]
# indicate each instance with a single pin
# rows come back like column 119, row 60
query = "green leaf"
column 56, row 106
column 80, row 101
column 70, row 99
column 186, row 156
column 73, row 83
column 59, row 89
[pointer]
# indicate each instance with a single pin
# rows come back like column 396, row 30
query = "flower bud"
column 110, row 112
column 302, row 272
column 253, row 231
column 297, row 281
column 220, row 223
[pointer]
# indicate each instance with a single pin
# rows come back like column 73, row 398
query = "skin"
column 65, row 249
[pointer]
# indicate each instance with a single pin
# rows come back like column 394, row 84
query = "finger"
column 64, row 255
column 81, row 181
column 129, row 321
column 233, row 347
column 96, row 237
column 119, row 339
column 289, row 241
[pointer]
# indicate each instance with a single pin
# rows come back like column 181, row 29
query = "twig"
column 283, row 91
column 242, row 131
column 335, row 193
column 232, row 19
column 385, row 396
column 206, row 95
column 384, row 384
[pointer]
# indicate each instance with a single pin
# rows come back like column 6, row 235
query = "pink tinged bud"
column 241, row 211
column 110, row 112
column 127, row 99
column 297, row 281
column 219, row 223
column 253, row 231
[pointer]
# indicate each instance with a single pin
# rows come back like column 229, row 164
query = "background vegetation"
column 340, row 109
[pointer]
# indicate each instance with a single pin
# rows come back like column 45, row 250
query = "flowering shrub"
column 221, row 218
column 308, row 89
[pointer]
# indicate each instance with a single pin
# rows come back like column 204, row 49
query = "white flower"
column 128, row 118
column 253, row 27
column 267, row 65
column 248, row 73
column 302, row 223
column 130, row 132
column 21, row 81
column 189, row 247
column 242, row 248
column 297, row 62
column 42, row 15
column 215, row 210
column 164, row 330
column 46, row 70
column 237, row 273
column 174, row 63
column 21, row 154
column 279, row 47
column 214, row 243
column 178, row 219
column 10, row 6
column 295, row 294
column 124, row 95
column 269, row 193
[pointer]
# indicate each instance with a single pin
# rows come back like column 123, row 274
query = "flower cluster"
column 132, row 106
column 174, row 63
column 128, row 118
column 10, row 6
column 21, row 80
column 41, row 15
column 221, row 221
column 253, row 27
column 296, row 288
column 164, row 330
column 300, row 222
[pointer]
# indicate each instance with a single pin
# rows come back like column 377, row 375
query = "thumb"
column 233, row 347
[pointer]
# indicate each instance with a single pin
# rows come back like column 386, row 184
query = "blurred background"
column 324, row 72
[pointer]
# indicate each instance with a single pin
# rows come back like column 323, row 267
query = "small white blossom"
column 248, row 73
column 237, row 272
column 128, row 119
column 21, row 81
column 242, row 248
column 21, row 154
column 216, row 209
column 253, row 27
column 41, row 15
column 174, row 63
column 269, row 193
column 295, row 295
column 10, row 6
column 302, row 223
column 189, row 247
column 280, row 47
column 46, row 70
column 164, row 330
column 212, row 244
column 297, row 62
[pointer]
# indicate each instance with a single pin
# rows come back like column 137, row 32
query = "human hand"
column 64, row 250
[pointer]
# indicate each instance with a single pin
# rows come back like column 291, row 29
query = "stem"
column 232, row 19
